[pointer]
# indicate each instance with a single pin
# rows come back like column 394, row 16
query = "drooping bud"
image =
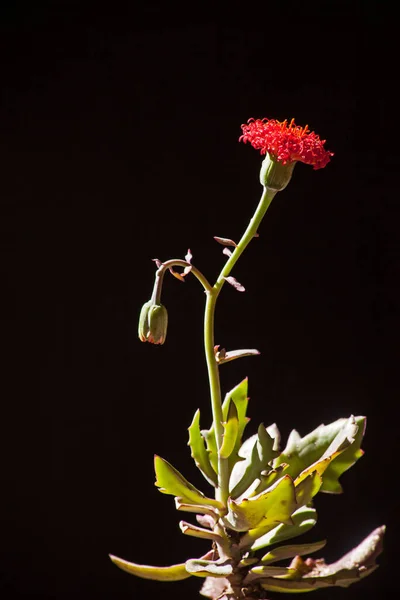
column 153, row 323
column 274, row 175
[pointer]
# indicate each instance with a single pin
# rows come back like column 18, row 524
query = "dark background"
column 119, row 129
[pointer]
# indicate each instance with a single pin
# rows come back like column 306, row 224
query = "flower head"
column 286, row 142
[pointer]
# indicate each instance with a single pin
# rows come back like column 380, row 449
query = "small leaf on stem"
column 176, row 274
column 234, row 283
column 188, row 259
column 219, row 354
column 225, row 241
column 233, row 354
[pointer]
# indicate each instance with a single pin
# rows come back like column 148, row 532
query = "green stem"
column 248, row 235
column 222, row 491
column 175, row 262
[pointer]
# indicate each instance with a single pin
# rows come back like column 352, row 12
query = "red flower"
column 286, row 143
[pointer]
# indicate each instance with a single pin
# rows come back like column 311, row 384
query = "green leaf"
column 234, row 354
column 170, row 481
column 307, row 488
column 208, row 568
column 314, row 574
column 303, row 519
column 212, row 450
column 199, row 452
column 196, row 508
column 266, row 480
column 264, row 511
column 282, row 552
column 342, row 438
column 257, row 451
column 239, row 396
column 287, row 586
column 199, row 532
column 172, row 573
column 247, row 562
column 231, row 430
column 262, row 571
column 344, row 461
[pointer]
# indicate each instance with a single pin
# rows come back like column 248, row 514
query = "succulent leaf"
column 261, row 572
column 306, row 576
column 268, row 478
column 342, row 438
column 199, row 532
column 307, row 487
column 172, row 573
column 289, row 551
column 303, row 519
column 258, row 451
column 207, row 568
column 264, row 511
column 195, row 508
column 199, row 452
column 170, row 481
column 239, row 396
column 234, row 354
column 231, row 430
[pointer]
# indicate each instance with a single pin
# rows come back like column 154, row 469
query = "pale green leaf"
column 196, row 508
column 239, row 396
column 248, row 561
column 231, row 430
column 267, row 478
column 287, row 586
column 262, row 571
column 283, row 552
column 208, row 568
column 303, row 519
column 199, row 452
column 199, row 532
column 264, row 511
column 344, row 461
column 316, row 574
column 341, row 438
column 307, row 487
column 172, row 573
column 212, row 450
column 170, row 481
column 258, row 451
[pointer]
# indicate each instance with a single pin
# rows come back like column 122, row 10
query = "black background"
column 119, row 129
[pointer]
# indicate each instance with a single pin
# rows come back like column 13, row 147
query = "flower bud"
column 274, row 175
column 153, row 322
